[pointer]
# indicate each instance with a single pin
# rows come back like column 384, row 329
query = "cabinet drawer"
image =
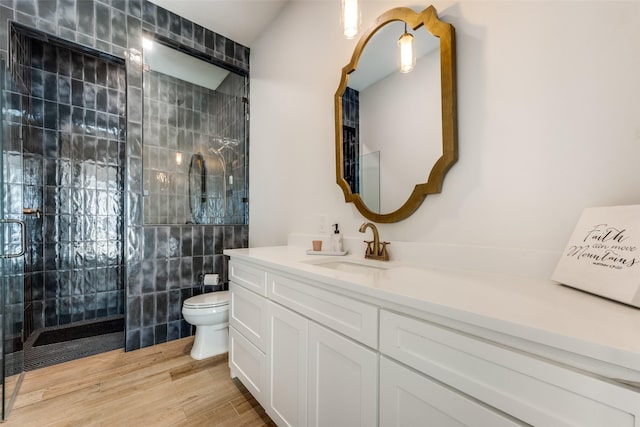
column 408, row 399
column 352, row 318
column 248, row 277
column 248, row 314
column 249, row 364
column 533, row 390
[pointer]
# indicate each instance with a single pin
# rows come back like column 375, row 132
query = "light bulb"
column 407, row 52
column 350, row 17
column 147, row 44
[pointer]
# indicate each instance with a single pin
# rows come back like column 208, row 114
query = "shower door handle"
column 23, row 235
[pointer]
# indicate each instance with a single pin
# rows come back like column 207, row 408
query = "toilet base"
column 210, row 341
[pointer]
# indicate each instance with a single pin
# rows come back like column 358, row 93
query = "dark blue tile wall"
column 115, row 27
column 176, row 258
column 161, row 22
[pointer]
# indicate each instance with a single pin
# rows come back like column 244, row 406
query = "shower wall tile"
column 171, row 275
column 147, row 337
column 161, row 308
column 186, row 273
column 173, row 280
column 162, row 274
column 90, row 118
column 148, row 309
column 173, row 330
column 134, row 312
column 186, row 329
column 160, row 333
column 133, row 339
column 135, row 144
column 197, row 241
column 163, row 22
column 88, row 22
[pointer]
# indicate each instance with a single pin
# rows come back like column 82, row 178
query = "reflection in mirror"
column 195, row 150
column 197, row 188
column 370, row 180
column 408, row 119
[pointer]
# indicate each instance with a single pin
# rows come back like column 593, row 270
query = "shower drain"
column 53, row 354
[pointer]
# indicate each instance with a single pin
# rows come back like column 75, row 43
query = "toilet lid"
column 211, row 299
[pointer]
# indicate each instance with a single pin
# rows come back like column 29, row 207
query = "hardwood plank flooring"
column 155, row 386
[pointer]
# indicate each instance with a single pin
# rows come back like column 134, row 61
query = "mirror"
column 396, row 134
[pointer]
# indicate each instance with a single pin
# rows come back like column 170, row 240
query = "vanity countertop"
column 542, row 312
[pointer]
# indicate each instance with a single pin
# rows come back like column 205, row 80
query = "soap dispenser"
column 336, row 240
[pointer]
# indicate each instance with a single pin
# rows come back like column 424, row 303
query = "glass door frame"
column 9, row 254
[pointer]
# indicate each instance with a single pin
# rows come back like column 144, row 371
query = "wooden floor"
column 155, row 386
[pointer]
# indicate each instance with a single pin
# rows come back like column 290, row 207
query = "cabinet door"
column 408, row 399
column 287, row 366
column 249, row 364
column 343, row 381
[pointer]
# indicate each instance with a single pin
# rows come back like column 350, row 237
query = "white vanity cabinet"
column 286, row 349
column 320, row 351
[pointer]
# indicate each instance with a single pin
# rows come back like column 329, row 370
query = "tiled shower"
column 81, row 156
column 73, row 163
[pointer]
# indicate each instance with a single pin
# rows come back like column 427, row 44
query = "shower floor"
column 40, row 356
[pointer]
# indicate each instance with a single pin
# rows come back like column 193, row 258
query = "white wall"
column 548, row 113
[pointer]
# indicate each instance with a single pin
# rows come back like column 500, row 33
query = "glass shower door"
column 12, row 241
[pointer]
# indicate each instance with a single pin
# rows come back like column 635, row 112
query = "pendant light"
column 407, row 51
column 350, row 18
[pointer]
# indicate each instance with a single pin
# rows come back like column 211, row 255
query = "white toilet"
column 209, row 313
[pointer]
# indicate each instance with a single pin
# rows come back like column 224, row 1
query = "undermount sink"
column 352, row 266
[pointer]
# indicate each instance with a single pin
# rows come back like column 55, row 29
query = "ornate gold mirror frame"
column 446, row 33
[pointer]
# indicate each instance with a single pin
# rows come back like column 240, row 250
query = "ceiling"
column 239, row 20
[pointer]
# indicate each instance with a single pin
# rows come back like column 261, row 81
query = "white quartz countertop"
column 539, row 311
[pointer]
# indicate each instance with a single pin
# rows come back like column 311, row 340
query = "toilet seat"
column 208, row 300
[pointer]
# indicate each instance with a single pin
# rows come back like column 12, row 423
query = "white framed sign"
column 603, row 254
